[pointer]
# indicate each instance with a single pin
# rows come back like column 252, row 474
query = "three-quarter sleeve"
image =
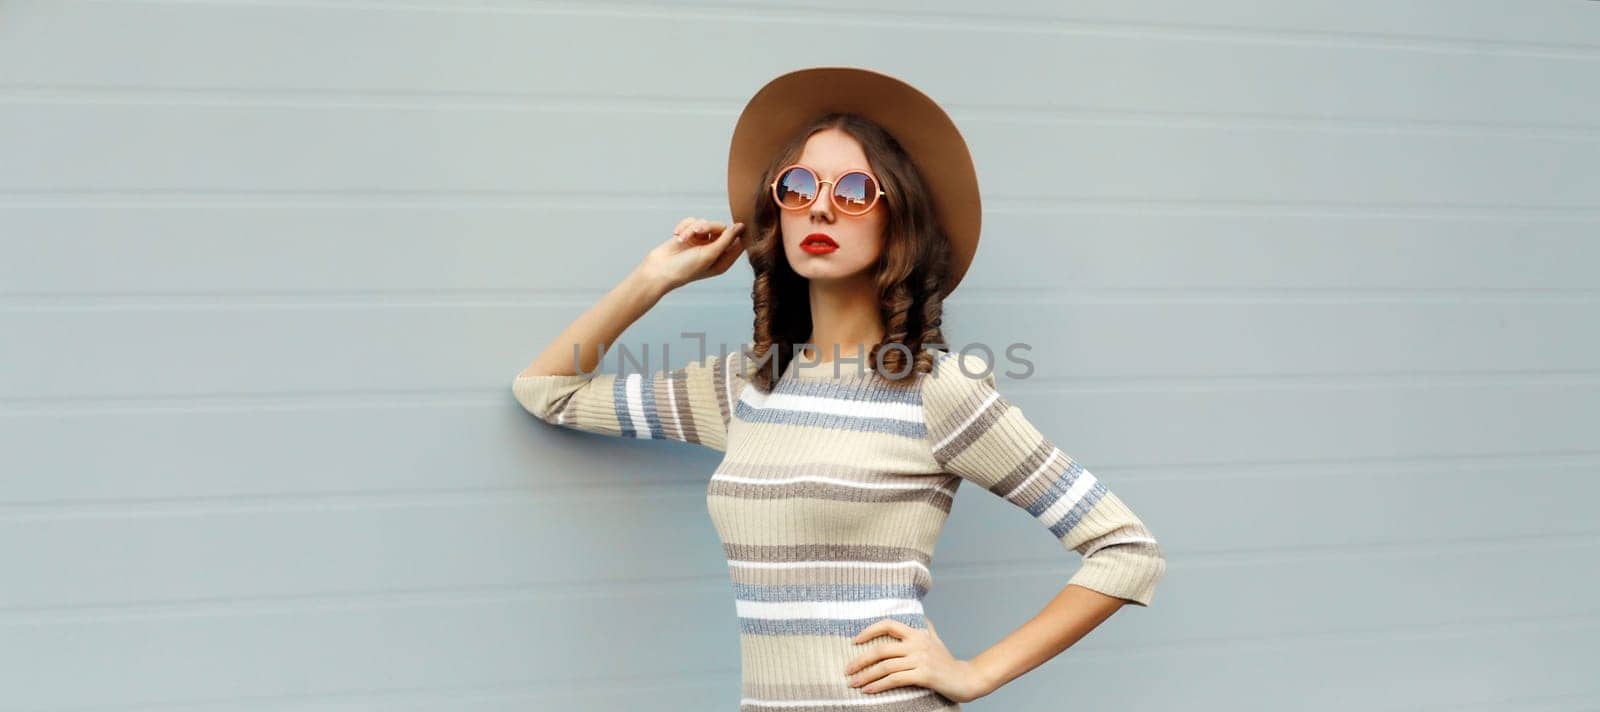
column 979, row 435
column 687, row 404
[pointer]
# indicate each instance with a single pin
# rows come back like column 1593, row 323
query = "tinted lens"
column 855, row 192
column 797, row 187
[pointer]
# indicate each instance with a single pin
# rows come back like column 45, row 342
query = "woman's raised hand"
column 698, row 249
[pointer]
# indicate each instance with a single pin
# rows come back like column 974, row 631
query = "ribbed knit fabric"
column 831, row 495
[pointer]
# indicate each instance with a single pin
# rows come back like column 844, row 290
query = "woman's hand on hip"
column 917, row 659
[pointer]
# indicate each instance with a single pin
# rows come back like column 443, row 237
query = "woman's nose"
column 822, row 208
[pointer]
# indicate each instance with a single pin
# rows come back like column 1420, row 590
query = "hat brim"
column 782, row 107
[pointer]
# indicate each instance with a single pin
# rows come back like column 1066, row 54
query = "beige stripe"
column 868, row 450
column 996, row 408
column 1036, row 488
column 680, row 406
column 702, row 396
column 915, row 573
column 812, row 668
column 593, row 407
column 907, row 698
column 719, row 381
column 778, row 553
column 788, row 522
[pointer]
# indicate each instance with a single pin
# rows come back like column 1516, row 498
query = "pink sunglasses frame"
column 833, row 195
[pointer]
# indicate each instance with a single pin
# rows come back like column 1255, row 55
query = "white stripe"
column 873, row 608
column 827, row 564
column 833, row 406
column 969, row 421
column 1110, row 540
column 571, row 402
column 871, row 698
column 1041, row 468
column 831, row 480
column 1059, row 510
column 641, row 429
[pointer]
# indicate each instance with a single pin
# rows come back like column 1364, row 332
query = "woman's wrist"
column 989, row 679
column 649, row 283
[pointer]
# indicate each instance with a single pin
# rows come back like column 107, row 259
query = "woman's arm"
column 692, row 254
column 565, row 386
column 980, row 435
column 1064, row 621
column 600, row 324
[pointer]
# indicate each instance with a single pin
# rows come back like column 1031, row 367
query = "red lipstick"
column 818, row 244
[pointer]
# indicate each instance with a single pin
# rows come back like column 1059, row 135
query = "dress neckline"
column 828, row 370
column 849, row 372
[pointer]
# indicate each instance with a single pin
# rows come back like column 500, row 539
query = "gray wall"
column 1313, row 286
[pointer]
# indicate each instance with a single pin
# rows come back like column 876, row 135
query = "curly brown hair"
column 911, row 271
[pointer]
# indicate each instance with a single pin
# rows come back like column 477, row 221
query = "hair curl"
column 911, row 271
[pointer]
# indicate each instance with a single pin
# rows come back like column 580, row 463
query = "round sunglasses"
column 854, row 193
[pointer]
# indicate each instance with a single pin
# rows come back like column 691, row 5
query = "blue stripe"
column 619, row 403
column 652, row 418
column 1057, row 489
column 827, row 592
column 848, row 627
column 1079, row 510
column 903, row 428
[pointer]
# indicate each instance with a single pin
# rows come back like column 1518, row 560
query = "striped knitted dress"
column 831, row 494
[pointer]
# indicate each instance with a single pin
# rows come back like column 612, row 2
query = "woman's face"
column 830, row 153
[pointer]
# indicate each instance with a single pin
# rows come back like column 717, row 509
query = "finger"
column 876, row 657
column 893, row 680
column 888, row 626
column 686, row 228
column 898, row 629
column 737, row 244
column 678, row 229
column 729, row 256
column 710, row 228
column 728, row 234
column 720, row 245
column 869, row 632
column 881, row 670
column 891, row 649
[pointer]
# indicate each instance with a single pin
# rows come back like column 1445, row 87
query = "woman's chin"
column 826, row 277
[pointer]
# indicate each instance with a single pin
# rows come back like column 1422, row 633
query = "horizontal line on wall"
column 1000, row 567
column 603, row 201
column 717, row 584
column 1276, row 295
column 389, row 299
column 438, row 100
column 1526, row 466
column 715, row 682
column 18, row 406
column 978, row 21
column 1421, row 631
column 1574, row 701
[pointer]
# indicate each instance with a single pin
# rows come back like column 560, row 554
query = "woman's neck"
column 844, row 318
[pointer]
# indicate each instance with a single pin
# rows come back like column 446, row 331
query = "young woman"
column 847, row 427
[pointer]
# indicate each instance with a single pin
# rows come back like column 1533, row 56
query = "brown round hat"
column 782, row 107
